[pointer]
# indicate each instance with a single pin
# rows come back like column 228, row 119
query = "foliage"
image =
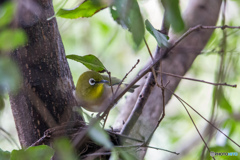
column 18, row 37
column 100, row 136
column 131, row 18
column 7, row 12
column 86, row 9
column 161, row 39
column 64, row 149
column 41, row 152
column 173, row 14
column 10, row 39
column 9, row 75
column 127, row 14
column 4, row 155
column 90, row 61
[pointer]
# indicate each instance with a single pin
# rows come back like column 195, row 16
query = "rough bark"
column 45, row 98
column 180, row 59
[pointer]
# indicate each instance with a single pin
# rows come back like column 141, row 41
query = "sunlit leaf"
column 4, row 155
column 90, row 61
column 11, row 39
column 41, row 152
column 128, row 15
column 161, row 39
column 9, row 75
column 64, row 149
column 86, row 9
column 7, row 11
column 224, row 103
column 97, row 134
column 173, row 14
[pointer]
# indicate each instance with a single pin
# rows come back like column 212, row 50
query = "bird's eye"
column 92, row 81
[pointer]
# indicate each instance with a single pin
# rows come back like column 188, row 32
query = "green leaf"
column 128, row 15
column 97, row 134
column 173, row 14
column 4, row 155
column 11, row 39
column 224, row 103
column 86, row 9
column 9, row 75
column 7, row 11
column 90, row 61
column 64, row 149
column 41, row 152
column 162, row 39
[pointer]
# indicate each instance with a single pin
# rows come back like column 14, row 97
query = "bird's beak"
column 103, row 81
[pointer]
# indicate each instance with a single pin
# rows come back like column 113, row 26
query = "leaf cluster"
column 128, row 14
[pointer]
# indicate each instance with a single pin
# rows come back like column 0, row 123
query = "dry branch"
column 180, row 59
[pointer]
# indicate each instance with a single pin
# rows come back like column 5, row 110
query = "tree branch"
column 178, row 61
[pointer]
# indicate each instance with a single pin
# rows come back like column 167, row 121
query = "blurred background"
column 103, row 37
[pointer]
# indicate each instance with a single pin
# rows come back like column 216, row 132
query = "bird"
column 93, row 90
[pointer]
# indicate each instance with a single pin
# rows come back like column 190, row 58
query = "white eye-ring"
column 92, row 81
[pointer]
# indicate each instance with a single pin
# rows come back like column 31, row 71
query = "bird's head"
column 90, row 86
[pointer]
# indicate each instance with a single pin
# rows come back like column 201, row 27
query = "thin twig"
column 190, row 30
column 197, row 80
column 203, row 117
column 195, row 126
column 152, row 69
column 96, row 154
column 149, row 51
column 127, row 137
column 147, row 146
column 126, row 77
column 180, row 100
column 162, row 88
column 110, row 81
column 105, row 120
column 40, row 140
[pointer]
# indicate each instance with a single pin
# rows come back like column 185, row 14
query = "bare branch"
column 197, row 80
column 202, row 117
column 190, row 30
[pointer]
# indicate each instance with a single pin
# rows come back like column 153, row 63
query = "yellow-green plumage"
column 93, row 90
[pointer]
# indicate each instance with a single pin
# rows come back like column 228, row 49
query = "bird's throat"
column 94, row 93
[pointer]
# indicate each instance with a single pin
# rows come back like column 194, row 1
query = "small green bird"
column 93, row 90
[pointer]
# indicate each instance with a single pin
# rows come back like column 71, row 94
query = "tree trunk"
column 45, row 98
column 179, row 60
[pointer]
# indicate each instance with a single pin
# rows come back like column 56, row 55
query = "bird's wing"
column 116, row 81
